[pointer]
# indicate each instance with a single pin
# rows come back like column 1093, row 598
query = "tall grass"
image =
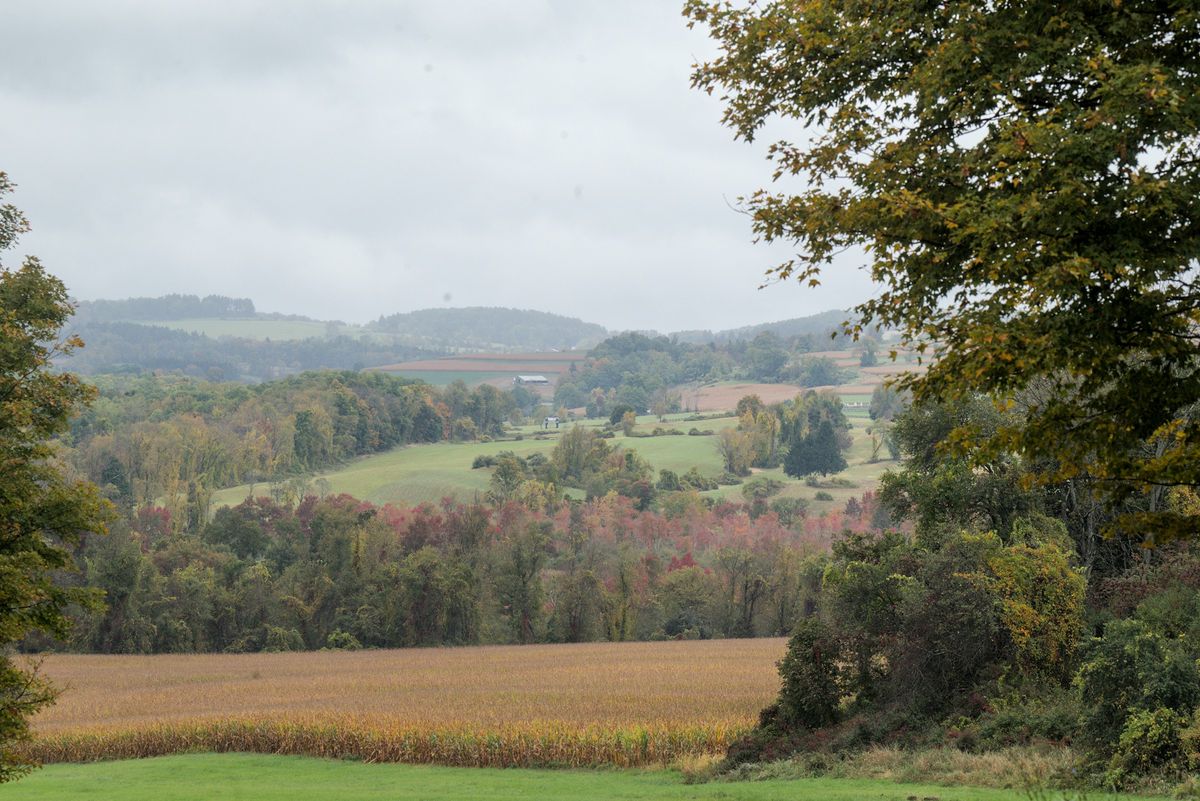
column 1015, row 767
column 527, row 745
column 624, row 704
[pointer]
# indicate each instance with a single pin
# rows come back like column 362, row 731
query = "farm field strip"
column 584, row 704
column 724, row 396
column 482, row 366
column 552, row 363
column 440, row 378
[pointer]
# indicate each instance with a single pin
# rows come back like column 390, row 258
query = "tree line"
column 134, row 349
column 173, row 441
column 644, row 372
column 336, row 572
column 166, row 307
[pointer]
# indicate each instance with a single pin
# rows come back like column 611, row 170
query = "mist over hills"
column 226, row 338
column 482, row 326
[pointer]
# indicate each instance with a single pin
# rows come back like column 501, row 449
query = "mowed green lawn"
column 251, row 777
column 419, row 473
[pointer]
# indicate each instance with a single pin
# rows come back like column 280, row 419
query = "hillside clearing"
column 423, row 473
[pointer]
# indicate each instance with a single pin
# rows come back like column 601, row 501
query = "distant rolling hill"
column 823, row 324
column 491, row 328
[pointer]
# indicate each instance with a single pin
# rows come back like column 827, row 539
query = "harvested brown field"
column 724, row 397
column 849, row 389
column 586, row 704
column 890, row 368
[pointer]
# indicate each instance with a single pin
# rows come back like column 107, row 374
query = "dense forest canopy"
column 339, row 573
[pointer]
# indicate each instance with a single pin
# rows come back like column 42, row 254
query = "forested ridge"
column 485, row 328
column 167, row 307
column 134, row 348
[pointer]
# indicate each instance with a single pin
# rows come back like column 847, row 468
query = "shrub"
column 694, row 480
column 761, row 488
column 822, row 495
column 1150, row 742
column 809, row 698
column 618, row 413
column 789, row 510
column 339, row 640
column 281, row 639
column 1132, row 668
column 1031, row 717
column 668, row 481
column 810, row 694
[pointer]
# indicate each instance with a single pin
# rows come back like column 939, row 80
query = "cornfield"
column 622, row 704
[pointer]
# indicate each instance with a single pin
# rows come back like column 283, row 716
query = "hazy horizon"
column 348, row 162
column 451, row 307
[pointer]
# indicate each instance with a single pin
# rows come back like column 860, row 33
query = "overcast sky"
column 352, row 159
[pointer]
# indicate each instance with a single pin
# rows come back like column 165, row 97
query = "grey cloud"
column 354, row 159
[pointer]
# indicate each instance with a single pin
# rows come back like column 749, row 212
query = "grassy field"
column 419, row 473
column 249, row 329
column 586, row 704
column 199, row 777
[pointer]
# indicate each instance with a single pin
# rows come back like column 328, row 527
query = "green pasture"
column 253, row 777
column 860, row 472
column 251, row 329
column 419, row 473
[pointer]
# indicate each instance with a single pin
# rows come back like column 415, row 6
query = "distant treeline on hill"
column 121, row 337
column 126, row 347
column 172, row 441
column 167, row 307
column 824, row 325
column 488, row 328
column 642, row 371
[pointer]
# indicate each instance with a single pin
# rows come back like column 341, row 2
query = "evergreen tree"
column 816, row 452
